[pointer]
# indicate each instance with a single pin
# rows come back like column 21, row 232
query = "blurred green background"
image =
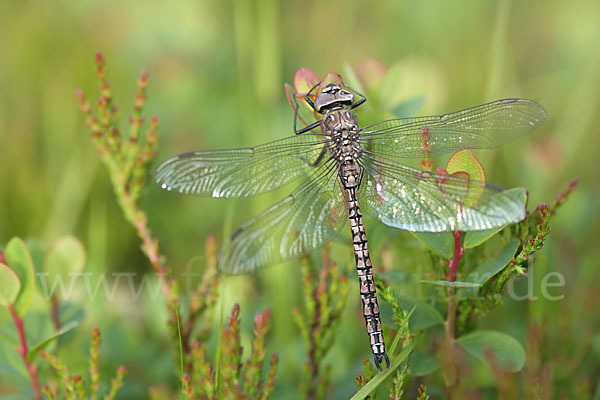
column 217, row 70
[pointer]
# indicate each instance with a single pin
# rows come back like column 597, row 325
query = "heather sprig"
column 422, row 390
column 127, row 158
column 325, row 294
column 74, row 386
column 231, row 378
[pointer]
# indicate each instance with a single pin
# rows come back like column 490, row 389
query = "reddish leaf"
column 370, row 73
column 304, row 80
column 331, row 77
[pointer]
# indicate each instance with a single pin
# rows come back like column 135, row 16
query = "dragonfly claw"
column 378, row 358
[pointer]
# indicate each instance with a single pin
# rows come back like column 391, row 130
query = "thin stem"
column 23, row 350
column 455, row 261
column 55, row 313
column 452, row 377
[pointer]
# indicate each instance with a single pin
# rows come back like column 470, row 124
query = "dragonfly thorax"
column 342, row 132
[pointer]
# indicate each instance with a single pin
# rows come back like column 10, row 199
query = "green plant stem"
column 23, row 350
column 451, row 376
column 180, row 352
column 55, row 313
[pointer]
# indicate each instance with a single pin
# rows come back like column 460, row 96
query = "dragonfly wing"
column 484, row 126
column 422, row 201
column 299, row 223
column 242, row 172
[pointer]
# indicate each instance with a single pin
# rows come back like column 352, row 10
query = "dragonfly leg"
column 306, row 128
column 319, row 158
column 307, row 97
column 362, row 96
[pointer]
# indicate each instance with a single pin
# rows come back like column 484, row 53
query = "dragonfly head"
column 332, row 96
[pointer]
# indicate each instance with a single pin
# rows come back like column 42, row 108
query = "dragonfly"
column 345, row 169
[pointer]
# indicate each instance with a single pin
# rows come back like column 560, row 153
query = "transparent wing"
column 422, row 201
column 242, row 172
column 299, row 223
column 484, row 126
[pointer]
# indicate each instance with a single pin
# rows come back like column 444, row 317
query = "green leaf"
column 456, row 284
column 441, row 243
column 422, row 363
column 393, row 276
column 9, row 285
column 475, row 238
column 66, row 255
column 351, row 79
column 369, row 117
column 386, row 313
column 507, row 351
column 5, row 338
column 491, row 267
column 382, row 375
column 465, row 161
column 33, row 351
column 18, row 258
column 409, row 108
column 423, row 316
column 391, row 88
column 36, row 250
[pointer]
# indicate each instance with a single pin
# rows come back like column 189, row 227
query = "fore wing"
column 242, row 172
column 484, row 126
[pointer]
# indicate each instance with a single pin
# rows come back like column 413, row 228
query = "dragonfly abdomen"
column 364, row 268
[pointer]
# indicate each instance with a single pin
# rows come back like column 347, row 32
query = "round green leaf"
column 391, row 88
column 465, row 161
column 492, row 266
column 423, row 315
column 440, row 243
column 36, row 250
column 9, row 285
column 409, row 107
column 18, row 258
column 506, row 351
column 422, row 363
column 66, row 255
column 369, row 75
